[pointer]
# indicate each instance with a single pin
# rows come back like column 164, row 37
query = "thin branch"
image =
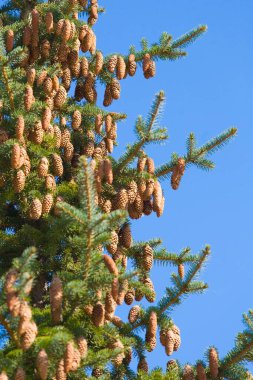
column 9, row 330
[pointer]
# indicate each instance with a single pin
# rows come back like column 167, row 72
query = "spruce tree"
column 68, row 259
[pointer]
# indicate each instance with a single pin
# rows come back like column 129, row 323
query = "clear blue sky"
column 207, row 92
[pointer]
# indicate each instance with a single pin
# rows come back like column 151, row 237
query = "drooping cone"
column 107, row 96
column 126, row 236
column 117, row 360
column 134, row 314
column 60, row 372
column 142, row 365
column 115, row 88
column 112, row 63
column 57, row 136
column 132, row 66
column 132, row 190
column 29, row 336
column 152, row 325
column 19, row 181
column 20, row 374
column 76, row 360
column 60, row 97
column 112, row 246
column 76, row 119
column 68, row 151
column 82, row 346
column 150, row 342
column 146, row 63
column 15, row 156
column 150, row 165
column 47, row 204
column 150, row 186
column 35, row 210
column 123, row 287
column 46, row 118
column 147, row 257
column 10, row 280
column 42, row 364
column 68, row 356
column 43, row 167
column 129, row 297
column 121, row 200
column 213, row 362
column 56, row 295
column 25, row 312
column 30, row 75
column 177, row 173
column 108, row 171
column 98, row 123
column 49, row 20
column 201, row 373
column 99, row 62
column 121, row 68
column 188, row 373
column 149, row 284
column 13, row 303
column 158, row 198
column 45, row 49
column 181, row 271
column 115, row 289
column 9, row 40
column 89, row 89
column 98, row 314
column 57, row 165
column 128, row 356
column 50, row 182
column 169, row 342
column 110, row 264
column 110, row 304
column 65, row 137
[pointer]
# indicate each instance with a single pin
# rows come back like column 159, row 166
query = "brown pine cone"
column 181, row 270
column 141, row 164
column 112, row 246
column 146, row 63
column 45, row 49
column 27, row 166
column 47, row 204
column 150, row 342
column 50, row 182
column 65, row 137
column 43, row 167
column 68, row 151
column 66, row 30
column 42, row 364
column 20, row 374
column 128, row 356
column 84, row 67
column 132, row 190
column 108, row 123
column 107, row 96
column 126, row 236
column 82, row 346
column 42, row 76
column 68, row 356
column 152, row 325
column 138, row 205
column 35, row 209
column 147, row 207
column 56, row 295
column 150, row 186
column 88, row 149
column 57, row 136
column 13, row 303
column 98, row 123
column 123, row 287
column 157, row 198
column 177, row 173
column 112, row 63
column 134, row 314
column 172, row 365
column 98, row 314
column 29, row 98
column 169, row 342
column 46, row 118
column 115, row 289
column 60, row 372
column 129, row 297
column 76, row 119
column 90, row 93
column 201, row 373
column 108, row 171
column 56, row 83
column 109, row 303
column 88, row 41
column 30, row 75
column 213, row 363
column 15, row 156
column 99, row 62
column 27, row 36
column 150, row 165
column 150, row 286
column 29, row 336
column 49, row 20
column 110, row 264
column 76, row 360
column 147, row 257
column 132, row 66
column 37, row 133
column 177, row 341
column 115, row 88
column 121, row 200
column 60, row 97
column 142, row 365
column 121, row 68
column 82, row 32
column 57, row 165
column 79, row 91
column 117, row 360
column 138, row 295
column 9, row 40
column 10, row 280
column 19, row 181
column 188, row 373
column 66, row 78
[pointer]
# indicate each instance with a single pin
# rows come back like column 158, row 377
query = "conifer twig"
column 9, row 90
column 9, row 330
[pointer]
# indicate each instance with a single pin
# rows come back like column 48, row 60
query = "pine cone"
column 134, row 314
column 46, row 118
column 68, row 152
column 150, row 342
column 157, row 198
column 99, row 62
column 213, row 363
column 89, row 90
column 110, row 264
column 126, row 236
column 87, row 40
column 27, row 166
column 112, row 63
column 45, row 49
column 15, row 156
column 177, row 173
column 98, row 123
column 142, row 365
column 152, row 325
column 107, row 96
column 60, row 372
column 108, row 171
column 68, row 356
column 112, row 247
column 121, row 68
column 188, row 373
column 107, row 206
column 56, row 83
column 10, row 280
column 82, row 346
column 42, row 364
column 47, row 204
column 27, row 36
column 13, row 303
column 177, row 341
column 20, row 374
column 29, row 98
column 150, row 186
column 57, row 165
column 129, row 297
column 98, row 314
column 201, row 373
column 66, row 30
column 115, row 289
column 30, row 75
column 117, row 360
column 50, row 182
column 169, row 342
column 49, row 20
column 60, row 97
column 121, row 200
column 76, row 119
column 172, row 365
column 132, row 66
column 65, row 137
column 150, row 286
column 132, row 190
column 123, row 287
column 76, row 360
column 57, row 136
column 146, row 63
column 43, row 167
column 141, row 164
column 56, row 295
column 35, row 209
column 181, row 271
column 109, row 303
column 19, row 181
column 115, row 88
column 9, row 40
column 147, row 257
column 29, row 336
column 147, row 207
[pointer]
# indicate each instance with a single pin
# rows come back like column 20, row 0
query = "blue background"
column 207, row 92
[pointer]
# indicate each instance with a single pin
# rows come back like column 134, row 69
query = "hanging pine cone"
column 68, row 356
column 129, row 297
column 201, row 373
column 56, row 295
column 76, row 360
column 15, row 156
column 57, row 165
column 13, row 303
column 86, row 38
column 150, row 342
column 147, row 257
column 121, row 68
column 20, row 374
column 29, row 98
column 99, row 62
column 149, row 284
column 98, row 314
column 172, row 365
column 45, row 49
column 138, row 295
column 188, row 373
column 57, row 136
column 29, row 336
column 115, row 88
column 147, row 207
column 177, row 342
column 27, row 36
column 132, row 66
column 107, row 96
column 146, row 63
column 42, row 364
column 49, row 21
column 110, row 264
column 56, row 83
column 110, row 304
column 108, row 123
column 150, row 186
column 126, row 236
column 112, row 246
column 177, row 173
column 68, row 151
column 88, row 88
column 112, row 63
column 76, row 119
column 50, row 182
column 98, row 123
column 37, row 133
column 48, row 86
column 82, row 346
column 132, row 189
column 35, row 209
column 47, row 204
column 142, row 365
column 107, row 206
column 181, row 270
column 84, row 67
column 213, row 363
column 66, row 30
column 121, row 200
column 108, row 171
column 9, row 40
column 10, row 280
column 115, row 289
column 46, row 118
column 60, row 372
column 152, row 325
column 19, row 181
column 65, row 137
column 30, row 75
column 117, row 360
column 43, row 167
column 169, row 342
column 60, row 97
column 123, row 287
